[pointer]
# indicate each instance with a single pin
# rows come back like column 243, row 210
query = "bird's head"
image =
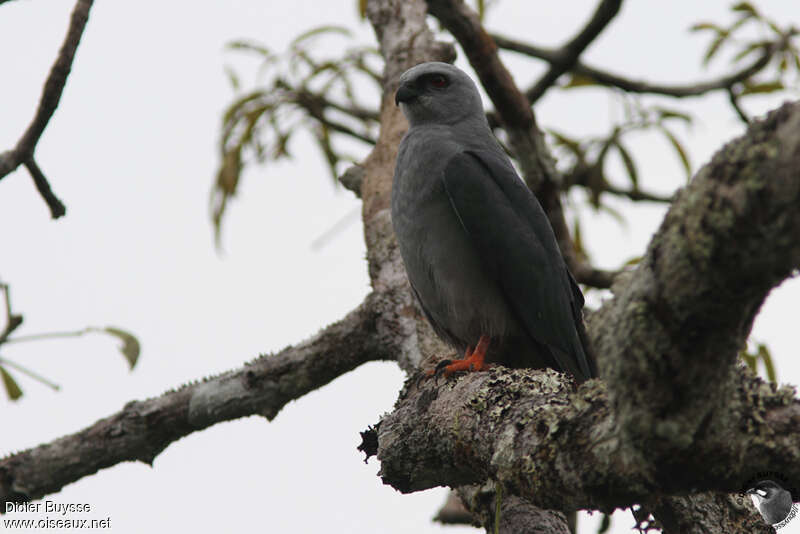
column 438, row 93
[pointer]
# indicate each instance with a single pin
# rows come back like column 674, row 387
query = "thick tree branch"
column 669, row 340
column 565, row 57
column 527, row 141
column 561, row 448
column 142, row 429
column 51, row 94
column 637, row 86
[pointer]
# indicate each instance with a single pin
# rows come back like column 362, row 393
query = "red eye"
column 439, row 81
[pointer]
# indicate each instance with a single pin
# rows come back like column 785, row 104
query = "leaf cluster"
column 304, row 88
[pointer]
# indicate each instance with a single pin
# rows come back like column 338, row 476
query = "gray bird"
column 773, row 502
column 478, row 249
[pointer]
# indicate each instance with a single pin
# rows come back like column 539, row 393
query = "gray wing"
column 513, row 238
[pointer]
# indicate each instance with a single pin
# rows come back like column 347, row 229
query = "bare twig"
column 32, row 374
column 638, row 86
column 23, row 152
column 566, row 57
column 57, row 208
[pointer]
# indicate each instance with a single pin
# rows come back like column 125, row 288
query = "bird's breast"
column 448, row 275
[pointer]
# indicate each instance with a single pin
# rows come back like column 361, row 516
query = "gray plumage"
column 478, row 249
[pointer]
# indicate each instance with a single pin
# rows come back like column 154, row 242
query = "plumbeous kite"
column 478, row 249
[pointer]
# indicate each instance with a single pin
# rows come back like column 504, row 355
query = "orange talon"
column 473, row 360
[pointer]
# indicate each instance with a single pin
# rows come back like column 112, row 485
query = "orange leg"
column 474, row 360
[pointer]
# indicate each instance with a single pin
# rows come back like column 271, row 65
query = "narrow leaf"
column 130, row 345
column 579, row 80
column 700, row 26
column 630, row 166
column 714, row 48
column 766, row 357
column 616, row 215
column 577, row 238
column 749, row 49
column 12, row 388
column 569, row 143
column 605, row 524
column 745, row 7
column 665, row 113
column 766, row 87
column 679, row 150
column 319, row 31
column 749, row 360
column 232, row 77
column 249, row 46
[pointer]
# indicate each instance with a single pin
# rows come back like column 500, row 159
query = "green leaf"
column 766, row 87
column 249, row 46
column 130, row 345
column 679, row 150
column 715, row 45
column 700, row 26
column 749, row 49
column 745, row 7
column 12, row 388
column 313, row 32
column 605, row 524
column 627, row 160
column 579, row 80
column 665, row 113
column 749, row 360
column 616, row 215
column 569, row 143
column 233, row 78
column 577, row 239
column 765, row 356
column 636, row 260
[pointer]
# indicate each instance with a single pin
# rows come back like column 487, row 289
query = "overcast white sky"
column 132, row 153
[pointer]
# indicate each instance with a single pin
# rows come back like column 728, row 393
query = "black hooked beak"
column 405, row 93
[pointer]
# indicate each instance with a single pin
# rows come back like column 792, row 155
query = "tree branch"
column 145, row 428
column 526, row 139
column 51, row 94
column 637, row 86
column 683, row 314
column 567, row 56
column 560, row 448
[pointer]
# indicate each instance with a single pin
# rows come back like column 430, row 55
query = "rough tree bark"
column 674, row 424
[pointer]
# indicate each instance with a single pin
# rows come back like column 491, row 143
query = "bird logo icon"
column 773, row 502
